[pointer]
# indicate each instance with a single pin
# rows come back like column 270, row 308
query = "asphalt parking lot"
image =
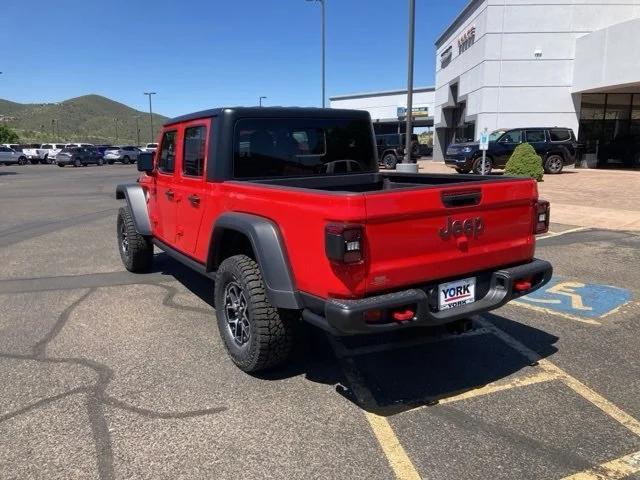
column 107, row 374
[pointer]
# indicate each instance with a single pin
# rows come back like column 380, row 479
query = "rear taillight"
column 541, row 220
column 344, row 243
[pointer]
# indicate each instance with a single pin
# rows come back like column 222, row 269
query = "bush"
column 7, row 135
column 525, row 162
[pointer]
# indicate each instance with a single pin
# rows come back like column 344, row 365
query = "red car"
column 286, row 209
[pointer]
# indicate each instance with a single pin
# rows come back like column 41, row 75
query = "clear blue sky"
column 203, row 53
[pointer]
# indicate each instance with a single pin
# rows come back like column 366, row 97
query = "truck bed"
column 380, row 182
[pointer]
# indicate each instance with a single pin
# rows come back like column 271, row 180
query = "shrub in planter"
column 525, row 162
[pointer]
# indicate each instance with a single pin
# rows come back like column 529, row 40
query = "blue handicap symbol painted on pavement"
column 576, row 298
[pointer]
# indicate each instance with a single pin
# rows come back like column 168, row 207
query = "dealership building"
column 527, row 63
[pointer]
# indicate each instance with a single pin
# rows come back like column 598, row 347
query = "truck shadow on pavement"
column 389, row 373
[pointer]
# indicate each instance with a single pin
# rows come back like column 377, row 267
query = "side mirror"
column 145, row 162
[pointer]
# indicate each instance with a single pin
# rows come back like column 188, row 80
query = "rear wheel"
column 100, row 162
column 126, row 160
column 110, row 162
column 136, row 251
column 477, row 166
column 77, row 163
column 256, row 335
column 553, row 164
column 61, row 165
column 22, row 161
column 390, row 161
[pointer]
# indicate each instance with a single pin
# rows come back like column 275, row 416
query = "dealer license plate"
column 456, row 294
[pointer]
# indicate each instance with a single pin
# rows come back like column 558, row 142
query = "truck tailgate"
column 419, row 235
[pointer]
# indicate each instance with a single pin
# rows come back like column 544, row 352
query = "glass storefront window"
column 593, row 105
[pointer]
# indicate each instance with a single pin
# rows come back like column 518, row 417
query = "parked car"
column 123, row 153
column 14, row 146
column 46, row 153
column 391, row 149
column 8, row 156
column 78, row 157
column 557, row 147
column 102, row 148
column 150, row 147
column 290, row 238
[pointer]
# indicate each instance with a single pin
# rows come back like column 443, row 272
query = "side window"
column 535, row 136
column 514, row 136
column 559, row 135
column 195, row 142
column 167, row 158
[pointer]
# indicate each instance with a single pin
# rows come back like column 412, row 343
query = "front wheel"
column 477, row 166
column 553, row 164
column 100, row 162
column 22, row 161
column 126, row 160
column 390, row 161
column 61, row 165
column 256, row 335
column 77, row 163
column 136, row 251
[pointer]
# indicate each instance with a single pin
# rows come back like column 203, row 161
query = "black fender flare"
column 270, row 252
column 135, row 197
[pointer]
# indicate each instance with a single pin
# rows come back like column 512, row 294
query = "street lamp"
column 323, row 48
column 137, row 130
column 115, row 122
column 150, row 115
column 260, row 99
column 406, row 165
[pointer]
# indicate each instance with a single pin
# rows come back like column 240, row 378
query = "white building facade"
column 388, row 108
column 541, row 63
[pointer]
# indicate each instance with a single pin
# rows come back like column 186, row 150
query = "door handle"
column 169, row 194
column 194, row 199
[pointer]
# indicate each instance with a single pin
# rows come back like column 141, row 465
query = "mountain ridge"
column 88, row 118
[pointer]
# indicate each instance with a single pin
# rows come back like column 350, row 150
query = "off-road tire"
column 271, row 333
column 553, row 164
column 137, row 257
column 390, row 161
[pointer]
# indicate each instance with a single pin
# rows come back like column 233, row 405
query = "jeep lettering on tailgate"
column 472, row 227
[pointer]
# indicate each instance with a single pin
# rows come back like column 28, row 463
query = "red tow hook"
column 522, row 285
column 403, row 315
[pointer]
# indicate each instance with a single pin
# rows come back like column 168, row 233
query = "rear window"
column 195, row 141
column 46, row 146
column 559, row 135
column 535, row 136
column 283, row 147
column 112, row 148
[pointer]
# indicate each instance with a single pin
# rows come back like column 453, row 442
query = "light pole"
column 150, row 115
column 137, row 130
column 260, row 99
column 115, row 122
column 323, row 48
column 407, row 165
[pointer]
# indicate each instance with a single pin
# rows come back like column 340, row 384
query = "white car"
column 8, row 156
column 124, row 153
column 46, row 153
column 149, row 147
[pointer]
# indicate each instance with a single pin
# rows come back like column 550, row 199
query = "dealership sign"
column 417, row 112
column 467, row 39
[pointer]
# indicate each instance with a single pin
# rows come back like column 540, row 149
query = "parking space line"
column 613, row 470
column 576, row 385
column 558, row 234
column 540, row 377
column 396, row 455
column 588, row 321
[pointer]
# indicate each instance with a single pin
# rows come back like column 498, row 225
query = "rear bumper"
column 494, row 289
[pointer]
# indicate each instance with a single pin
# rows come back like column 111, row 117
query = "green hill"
column 90, row 118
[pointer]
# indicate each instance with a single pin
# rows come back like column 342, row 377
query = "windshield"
column 495, row 135
column 69, row 150
column 267, row 147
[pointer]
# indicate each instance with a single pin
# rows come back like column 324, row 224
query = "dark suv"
column 557, row 147
column 391, row 149
column 78, row 157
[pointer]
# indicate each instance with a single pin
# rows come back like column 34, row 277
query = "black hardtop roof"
column 282, row 112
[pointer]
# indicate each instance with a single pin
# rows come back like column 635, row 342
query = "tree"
column 525, row 162
column 7, row 135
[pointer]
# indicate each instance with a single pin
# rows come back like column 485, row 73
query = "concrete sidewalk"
column 608, row 199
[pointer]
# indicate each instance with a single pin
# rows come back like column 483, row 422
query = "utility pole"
column 322, row 54
column 412, row 28
column 115, row 122
column 260, row 99
column 150, row 115
column 53, row 127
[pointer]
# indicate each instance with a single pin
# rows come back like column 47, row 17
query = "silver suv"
column 123, row 153
column 8, row 156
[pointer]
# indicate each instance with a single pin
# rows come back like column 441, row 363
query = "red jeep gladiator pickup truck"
column 286, row 209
